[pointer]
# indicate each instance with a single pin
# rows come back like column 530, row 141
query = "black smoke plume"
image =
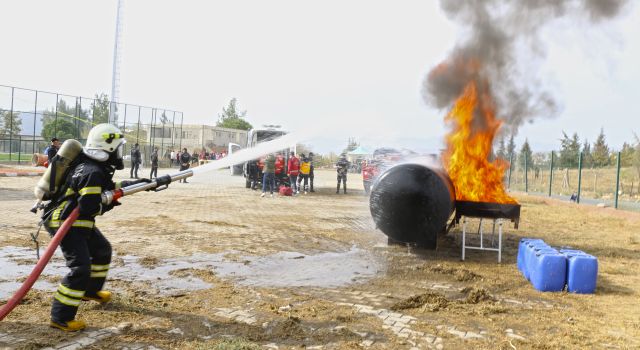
column 500, row 39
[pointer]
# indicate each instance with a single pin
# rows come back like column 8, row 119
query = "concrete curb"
column 15, row 174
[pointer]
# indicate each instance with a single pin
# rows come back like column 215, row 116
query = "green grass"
column 24, row 157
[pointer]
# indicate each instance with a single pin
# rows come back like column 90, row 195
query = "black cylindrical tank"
column 411, row 203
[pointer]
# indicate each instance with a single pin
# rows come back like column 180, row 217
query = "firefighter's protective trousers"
column 88, row 255
column 86, row 251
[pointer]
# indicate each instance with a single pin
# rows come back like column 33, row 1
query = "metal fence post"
column 76, row 121
column 138, row 132
column 153, row 121
column 551, row 173
column 181, row 121
column 55, row 122
column 19, row 148
column 35, row 113
column 617, row 180
column 11, row 125
column 162, row 136
column 579, row 177
column 526, row 174
column 173, row 133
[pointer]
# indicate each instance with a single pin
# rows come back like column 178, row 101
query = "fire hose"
column 108, row 197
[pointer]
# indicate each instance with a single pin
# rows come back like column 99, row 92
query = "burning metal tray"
column 486, row 210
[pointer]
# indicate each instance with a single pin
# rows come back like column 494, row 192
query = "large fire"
column 469, row 143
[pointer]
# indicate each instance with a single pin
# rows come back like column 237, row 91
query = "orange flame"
column 466, row 159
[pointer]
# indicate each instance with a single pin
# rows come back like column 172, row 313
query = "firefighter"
column 86, row 251
column 154, row 163
column 342, row 166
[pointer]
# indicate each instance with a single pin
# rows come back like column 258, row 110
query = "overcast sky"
column 352, row 67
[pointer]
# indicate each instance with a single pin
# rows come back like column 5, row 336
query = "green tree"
column 10, row 123
column 587, row 157
column 526, row 153
column 511, row 149
column 79, row 119
column 502, row 149
column 232, row 118
column 601, row 152
column 627, row 154
column 569, row 150
column 62, row 129
column 100, row 109
column 636, row 155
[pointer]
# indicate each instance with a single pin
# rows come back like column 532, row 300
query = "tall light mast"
column 115, row 78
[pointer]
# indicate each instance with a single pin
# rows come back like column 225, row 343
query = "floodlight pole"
column 115, row 77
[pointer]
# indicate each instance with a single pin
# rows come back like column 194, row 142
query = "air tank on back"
column 411, row 203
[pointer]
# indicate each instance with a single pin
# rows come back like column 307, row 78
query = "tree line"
column 594, row 155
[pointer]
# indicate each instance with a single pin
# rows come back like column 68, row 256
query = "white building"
column 195, row 137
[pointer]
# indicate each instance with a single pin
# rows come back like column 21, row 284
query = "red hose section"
column 37, row 270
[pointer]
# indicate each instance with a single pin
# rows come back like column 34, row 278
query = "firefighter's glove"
column 106, row 208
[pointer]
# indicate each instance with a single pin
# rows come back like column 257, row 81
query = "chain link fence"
column 611, row 182
column 30, row 118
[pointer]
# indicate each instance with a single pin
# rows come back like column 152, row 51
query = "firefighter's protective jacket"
column 85, row 184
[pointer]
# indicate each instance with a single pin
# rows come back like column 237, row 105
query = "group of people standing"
column 299, row 173
column 136, row 159
column 178, row 157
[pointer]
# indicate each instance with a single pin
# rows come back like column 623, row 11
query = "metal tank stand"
column 481, row 233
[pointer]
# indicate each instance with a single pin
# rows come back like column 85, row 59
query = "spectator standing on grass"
column 269, row 176
column 311, row 175
column 136, row 159
column 305, row 169
column 178, row 156
column 342, row 166
column 154, row 163
column 185, row 162
column 293, row 170
column 52, row 149
column 172, row 156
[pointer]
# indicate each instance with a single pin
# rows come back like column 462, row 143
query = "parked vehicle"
column 256, row 136
column 383, row 158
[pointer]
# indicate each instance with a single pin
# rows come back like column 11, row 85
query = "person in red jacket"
column 293, row 169
column 280, row 173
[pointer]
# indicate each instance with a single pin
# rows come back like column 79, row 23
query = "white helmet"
column 105, row 143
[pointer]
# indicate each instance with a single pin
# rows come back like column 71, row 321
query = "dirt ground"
column 313, row 272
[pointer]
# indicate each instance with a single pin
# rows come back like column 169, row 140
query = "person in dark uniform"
column 342, row 166
column 185, row 162
column 86, row 251
column 136, row 159
column 311, row 172
column 253, row 171
column 53, row 148
column 154, row 163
